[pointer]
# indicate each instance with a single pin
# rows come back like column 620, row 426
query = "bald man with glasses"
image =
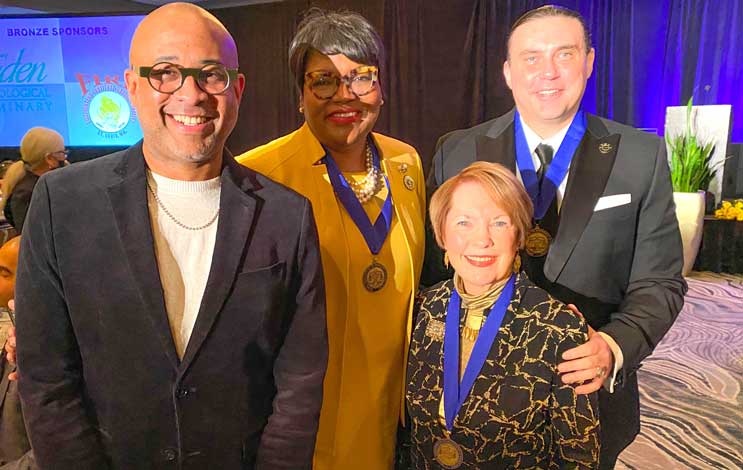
column 182, row 321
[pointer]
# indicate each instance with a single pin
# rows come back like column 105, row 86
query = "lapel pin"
column 409, row 182
column 403, row 168
column 605, row 148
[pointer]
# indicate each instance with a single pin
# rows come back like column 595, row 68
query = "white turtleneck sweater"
column 184, row 257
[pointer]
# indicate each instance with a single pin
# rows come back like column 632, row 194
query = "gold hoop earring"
column 446, row 260
column 301, row 109
column 517, row 263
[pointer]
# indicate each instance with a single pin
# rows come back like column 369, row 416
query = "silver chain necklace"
column 172, row 217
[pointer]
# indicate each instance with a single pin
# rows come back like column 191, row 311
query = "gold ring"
column 600, row 371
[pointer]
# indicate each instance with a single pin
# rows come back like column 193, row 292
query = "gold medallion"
column 409, row 182
column 537, row 241
column 375, row 277
column 448, row 454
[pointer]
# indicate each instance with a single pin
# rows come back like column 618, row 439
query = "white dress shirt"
column 533, row 141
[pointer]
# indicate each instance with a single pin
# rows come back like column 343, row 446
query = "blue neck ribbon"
column 542, row 196
column 376, row 234
column 456, row 392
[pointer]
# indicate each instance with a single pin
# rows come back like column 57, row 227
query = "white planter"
column 690, row 214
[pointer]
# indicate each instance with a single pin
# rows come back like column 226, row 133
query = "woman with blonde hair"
column 483, row 387
column 42, row 150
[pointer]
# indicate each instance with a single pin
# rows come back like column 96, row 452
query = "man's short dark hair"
column 334, row 32
column 547, row 11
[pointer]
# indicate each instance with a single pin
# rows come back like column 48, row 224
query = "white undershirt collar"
column 533, row 140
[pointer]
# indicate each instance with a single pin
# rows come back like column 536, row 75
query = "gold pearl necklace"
column 372, row 182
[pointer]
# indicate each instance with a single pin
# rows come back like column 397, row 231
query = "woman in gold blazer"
column 483, row 387
column 370, row 282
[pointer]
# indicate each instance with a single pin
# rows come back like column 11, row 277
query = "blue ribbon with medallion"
column 447, row 452
column 542, row 195
column 375, row 275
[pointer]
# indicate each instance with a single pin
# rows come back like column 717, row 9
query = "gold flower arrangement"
column 730, row 210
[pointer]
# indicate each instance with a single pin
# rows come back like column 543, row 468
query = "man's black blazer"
column 101, row 383
column 621, row 265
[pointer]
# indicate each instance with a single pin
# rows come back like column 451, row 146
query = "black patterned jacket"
column 519, row 415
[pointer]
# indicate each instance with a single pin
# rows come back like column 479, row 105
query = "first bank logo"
column 106, row 105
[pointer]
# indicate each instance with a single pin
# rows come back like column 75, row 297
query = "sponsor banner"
column 67, row 74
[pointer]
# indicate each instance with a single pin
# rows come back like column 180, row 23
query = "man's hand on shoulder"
column 589, row 364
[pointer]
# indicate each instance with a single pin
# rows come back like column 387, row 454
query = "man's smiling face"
column 190, row 125
column 547, row 70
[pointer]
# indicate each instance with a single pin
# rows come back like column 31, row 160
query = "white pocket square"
column 615, row 200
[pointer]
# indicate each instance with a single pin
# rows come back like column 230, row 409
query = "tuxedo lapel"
column 498, row 148
column 237, row 210
column 128, row 198
column 589, row 173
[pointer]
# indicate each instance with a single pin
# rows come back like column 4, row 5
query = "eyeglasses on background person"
column 60, row 155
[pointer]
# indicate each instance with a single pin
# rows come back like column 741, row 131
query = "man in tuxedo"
column 605, row 236
column 170, row 302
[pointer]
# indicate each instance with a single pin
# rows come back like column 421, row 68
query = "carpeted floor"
column 690, row 388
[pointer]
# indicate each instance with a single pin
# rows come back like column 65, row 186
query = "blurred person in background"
column 42, row 150
column 14, row 446
column 4, row 165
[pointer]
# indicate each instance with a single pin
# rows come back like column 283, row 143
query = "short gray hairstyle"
column 334, row 32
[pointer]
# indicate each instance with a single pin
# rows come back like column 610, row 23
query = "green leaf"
column 690, row 158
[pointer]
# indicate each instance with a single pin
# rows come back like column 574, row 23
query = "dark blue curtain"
column 654, row 54
column 445, row 59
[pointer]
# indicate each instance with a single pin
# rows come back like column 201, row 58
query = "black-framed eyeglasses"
column 361, row 81
column 169, row 78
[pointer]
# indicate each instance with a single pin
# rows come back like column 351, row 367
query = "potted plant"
column 691, row 173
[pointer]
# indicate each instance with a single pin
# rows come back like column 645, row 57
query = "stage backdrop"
column 67, row 74
column 445, row 61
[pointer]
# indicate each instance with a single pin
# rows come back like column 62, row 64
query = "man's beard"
column 204, row 152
